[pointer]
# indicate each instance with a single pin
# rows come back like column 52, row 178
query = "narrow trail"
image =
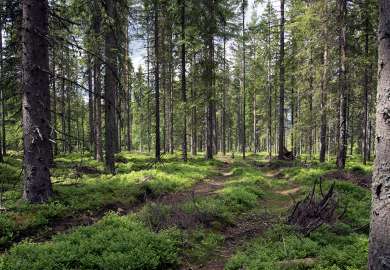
column 205, row 187
column 248, row 227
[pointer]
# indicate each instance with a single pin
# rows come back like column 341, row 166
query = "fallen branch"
column 309, row 214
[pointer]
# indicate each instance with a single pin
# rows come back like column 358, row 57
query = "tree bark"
column 36, row 113
column 109, row 92
column 379, row 247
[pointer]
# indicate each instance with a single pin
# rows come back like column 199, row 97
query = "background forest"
column 196, row 151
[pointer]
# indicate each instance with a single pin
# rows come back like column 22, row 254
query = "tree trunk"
column 98, row 109
column 224, row 78
column 324, row 90
column 243, row 82
column 149, row 114
column 69, row 119
column 311, row 93
column 63, row 114
column 36, row 113
column 54, row 113
column 109, row 92
column 209, row 71
column 157, row 81
column 379, row 247
column 366, row 90
column 183, row 79
column 342, row 151
column 1, row 88
column 281, row 82
column 91, row 112
column 127, row 86
column 269, row 86
column 194, row 122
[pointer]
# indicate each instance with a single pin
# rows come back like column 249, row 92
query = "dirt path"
column 206, row 187
column 245, row 229
column 249, row 227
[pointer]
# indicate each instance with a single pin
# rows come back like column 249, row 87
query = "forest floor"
column 222, row 214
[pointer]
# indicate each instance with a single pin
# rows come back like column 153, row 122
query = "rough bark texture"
column 379, row 248
column 282, row 82
column 36, row 114
column 342, row 151
column 109, row 92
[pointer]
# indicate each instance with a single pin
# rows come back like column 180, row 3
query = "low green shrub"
column 202, row 244
column 114, row 243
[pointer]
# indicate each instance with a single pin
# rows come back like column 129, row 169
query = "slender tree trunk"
column 293, row 115
column 149, row 115
column 209, row 71
column 157, row 80
column 255, row 135
column 127, row 86
column 366, row 90
column 183, row 79
column 171, row 92
column 224, row 92
column 109, row 92
column 243, row 82
column 63, row 115
column 98, row 110
column 281, row 82
column 54, row 114
column 379, row 247
column 342, row 151
column 91, row 112
column 324, row 90
column 36, row 113
column 269, row 86
column 194, row 122
column 69, row 119
column 1, row 88
column 311, row 93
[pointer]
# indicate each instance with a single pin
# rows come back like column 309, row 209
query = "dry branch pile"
column 309, row 214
